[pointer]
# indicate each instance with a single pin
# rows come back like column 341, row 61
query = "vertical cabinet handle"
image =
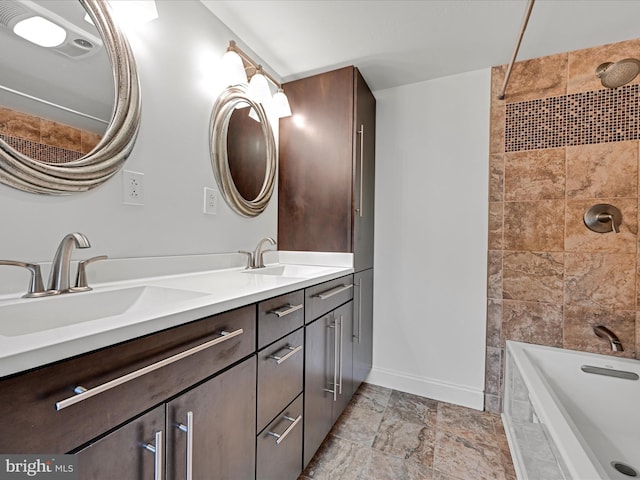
column 281, row 436
column 339, row 330
column 188, row 429
column 156, row 449
column 359, row 313
column 334, row 390
column 335, row 360
column 361, row 133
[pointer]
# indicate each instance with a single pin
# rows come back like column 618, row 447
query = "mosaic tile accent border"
column 42, row 152
column 599, row 116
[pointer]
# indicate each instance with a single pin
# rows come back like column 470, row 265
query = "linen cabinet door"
column 318, row 384
column 134, row 451
column 211, row 429
column 362, row 326
column 364, row 173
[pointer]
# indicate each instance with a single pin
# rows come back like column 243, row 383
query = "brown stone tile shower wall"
column 560, row 143
column 43, row 139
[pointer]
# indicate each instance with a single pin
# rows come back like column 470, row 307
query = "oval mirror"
column 243, row 151
column 69, row 113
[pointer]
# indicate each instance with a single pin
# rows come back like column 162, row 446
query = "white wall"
column 432, row 143
column 177, row 57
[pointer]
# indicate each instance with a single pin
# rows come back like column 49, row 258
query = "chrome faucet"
column 603, row 332
column 257, row 257
column 61, row 265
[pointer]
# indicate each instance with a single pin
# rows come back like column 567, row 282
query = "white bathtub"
column 563, row 423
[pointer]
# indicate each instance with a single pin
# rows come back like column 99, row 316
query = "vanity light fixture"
column 280, row 104
column 40, row 31
column 233, row 68
column 258, row 83
column 259, row 87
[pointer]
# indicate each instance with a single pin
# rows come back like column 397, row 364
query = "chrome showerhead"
column 614, row 75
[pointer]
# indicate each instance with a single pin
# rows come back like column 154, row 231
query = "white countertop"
column 209, row 292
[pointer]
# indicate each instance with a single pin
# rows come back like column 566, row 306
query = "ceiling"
column 397, row 42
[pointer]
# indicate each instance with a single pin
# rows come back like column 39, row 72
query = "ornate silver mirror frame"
column 24, row 173
column 224, row 107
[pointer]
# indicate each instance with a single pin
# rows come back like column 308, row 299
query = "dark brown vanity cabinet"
column 329, row 381
column 249, row 393
column 206, row 432
column 161, row 391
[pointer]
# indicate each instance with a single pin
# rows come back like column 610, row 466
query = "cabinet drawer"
column 279, row 449
column 279, row 316
column 323, row 298
column 280, row 369
column 34, row 419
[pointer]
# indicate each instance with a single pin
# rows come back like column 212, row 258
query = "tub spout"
column 612, row 338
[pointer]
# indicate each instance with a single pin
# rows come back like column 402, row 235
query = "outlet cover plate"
column 210, row 201
column 132, row 188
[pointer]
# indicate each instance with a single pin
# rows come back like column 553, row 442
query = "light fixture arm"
column 234, row 48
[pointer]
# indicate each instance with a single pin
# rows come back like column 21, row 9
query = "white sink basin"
column 295, row 271
column 35, row 315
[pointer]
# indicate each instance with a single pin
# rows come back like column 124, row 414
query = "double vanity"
column 226, row 373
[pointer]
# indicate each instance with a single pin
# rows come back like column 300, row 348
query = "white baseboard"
column 427, row 387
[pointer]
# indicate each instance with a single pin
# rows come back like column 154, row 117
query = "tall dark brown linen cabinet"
column 326, row 193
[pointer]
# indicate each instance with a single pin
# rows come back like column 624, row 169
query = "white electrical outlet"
column 132, row 188
column 210, row 201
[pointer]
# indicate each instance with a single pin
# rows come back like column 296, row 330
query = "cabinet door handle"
column 284, row 358
column 339, row 330
column 359, row 287
column 156, row 449
column 334, row 390
column 285, row 310
column 361, row 133
column 281, row 436
column 188, row 429
column 334, row 291
column 83, row 393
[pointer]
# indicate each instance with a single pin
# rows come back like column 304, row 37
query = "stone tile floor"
column 388, row 435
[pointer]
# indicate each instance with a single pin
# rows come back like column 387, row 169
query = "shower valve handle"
column 607, row 217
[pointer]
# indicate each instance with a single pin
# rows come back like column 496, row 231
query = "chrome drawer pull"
column 88, row 393
column 286, row 310
column 292, row 352
column 188, row 429
column 156, row 449
column 334, row 291
column 281, row 436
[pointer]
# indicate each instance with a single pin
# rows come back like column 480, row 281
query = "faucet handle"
column 36, row 287
column 81, row 276
column 250, row 259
